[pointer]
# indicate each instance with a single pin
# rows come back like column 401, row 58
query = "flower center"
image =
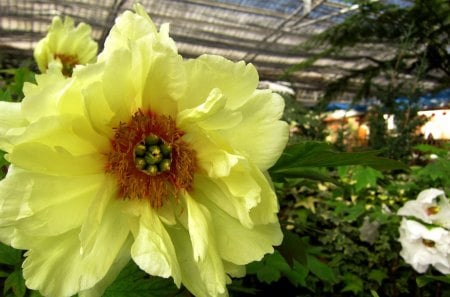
column 432, row 210
column 428, row 242
column 68, row 62
column 152, row 155
column 150, row 159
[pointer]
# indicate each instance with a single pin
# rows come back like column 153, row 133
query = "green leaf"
column 304, row 172
column 270, row 268
column 439, row 169
column 35, row 294
column 133, row 282
column 426, row 279
column 351, row 212
column 320, row 154
column 365, row 177
column 353, row 283
column 321, row 270
column 9, row 255
column 15, row 282
column 374, row 293
column 293, row 248
column 378, row 275
column 298, row 274
column 430, row 149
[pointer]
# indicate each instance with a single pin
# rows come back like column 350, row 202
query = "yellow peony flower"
column 142, row 156
column 65, row 45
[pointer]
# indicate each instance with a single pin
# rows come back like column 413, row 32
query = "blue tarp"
column 428, row 101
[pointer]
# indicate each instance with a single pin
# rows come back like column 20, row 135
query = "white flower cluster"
column 425, row 231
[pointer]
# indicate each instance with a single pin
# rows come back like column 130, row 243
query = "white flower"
column 428, row 209
column 422, row 247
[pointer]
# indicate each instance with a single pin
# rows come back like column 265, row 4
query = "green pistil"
column 153, row 155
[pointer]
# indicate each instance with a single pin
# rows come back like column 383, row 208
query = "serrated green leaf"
column 353, row 283
column 439, row 169
column 321, row 270
column 320, row 154
column 377, row 275
column 365, row 177
column 9, row 255
column 133, row 282
column 351, row 212
column 16, row 283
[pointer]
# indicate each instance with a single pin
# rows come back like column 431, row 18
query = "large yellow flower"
column 142, row 155
column 66, row 46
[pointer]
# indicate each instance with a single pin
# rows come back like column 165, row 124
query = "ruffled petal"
column 40, row 158
column 133, row 27
column 211, row 115
column 236, row 81
column 119, row 93
column 251, row 188
column 95, row 100
column 164, row 80
column 213, row 160
column 258, row 240
column 98, row 248
column 260, row 120
column 72, row 133
column 10, row 117
column 53, row 265
column 203, row 278
column 199, row 221
column 27, row 205
column 14, row 197
column 122, row 259
column 152, row 249
column 42, row 99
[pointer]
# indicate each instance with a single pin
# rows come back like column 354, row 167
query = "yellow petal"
column 53, row 265
column 27, row 205
column 153, row 250
column 42, row 99
column 212, row 159
column 73, row 134
column 106, row 242
column 40, row 158
column 122, row 259
column 236, row 81
column 14, row 197
column 198, row 223
column 204, row 278
column 94, row 101
column 210, row 115
column 164, row 81
column 118, row 87
column 260, row 135
column 258, row 240
column 217, row 192
column 131, row 28
column 10, row 117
